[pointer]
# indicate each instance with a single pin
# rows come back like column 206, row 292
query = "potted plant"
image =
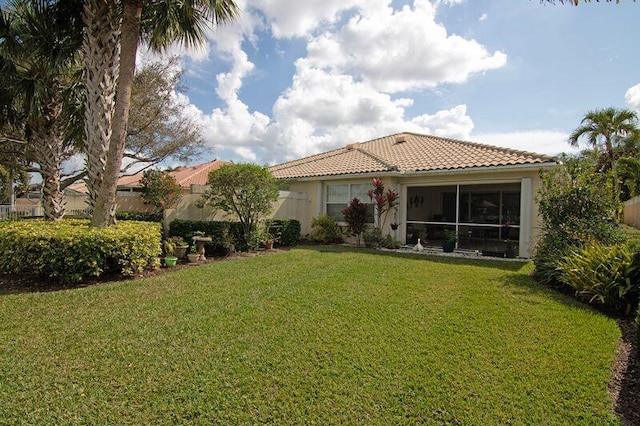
column 193, row 255
column 169, row 259
column 450, row 239
column 394, row 225
column 181, row 247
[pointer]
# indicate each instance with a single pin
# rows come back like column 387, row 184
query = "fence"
column 17, row 212
column 632, row 212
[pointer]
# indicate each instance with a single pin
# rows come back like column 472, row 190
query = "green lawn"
column 314, row 335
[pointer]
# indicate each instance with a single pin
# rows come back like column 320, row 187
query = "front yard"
column 313, row 335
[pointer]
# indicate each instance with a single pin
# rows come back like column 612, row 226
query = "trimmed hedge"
column 69, row 251
column 288, row 231
column 140, row 216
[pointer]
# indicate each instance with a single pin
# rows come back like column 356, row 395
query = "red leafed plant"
column 384, row 201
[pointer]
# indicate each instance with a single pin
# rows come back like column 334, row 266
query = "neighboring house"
column 129, row 187
column 485, row 193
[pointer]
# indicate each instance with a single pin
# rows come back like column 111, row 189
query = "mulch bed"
column 624, row 386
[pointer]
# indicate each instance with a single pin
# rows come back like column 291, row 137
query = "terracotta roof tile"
column 185, row 176
column 405, row 152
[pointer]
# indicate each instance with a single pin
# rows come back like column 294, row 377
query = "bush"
column 325, row 230
column 140, row 216
column 222, row 232
column 69, row 251
column 576, row 206
column 604, row 274
column 287, row 231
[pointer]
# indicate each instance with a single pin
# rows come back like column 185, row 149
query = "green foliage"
column 391, row 243
column 160, row 189
column 372, row 237
column 450, row 235
column 355, row 214
column 247, row 191
column 325, row 230
column 140, row 216
column 604, row 274
column 70, row 251
column 576, row 206
column 287, row 231
column 223, row 234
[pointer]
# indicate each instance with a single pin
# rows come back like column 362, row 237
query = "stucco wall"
column 400, row 182
column 632, row 212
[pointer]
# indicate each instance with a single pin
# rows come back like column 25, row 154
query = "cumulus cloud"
column 632, row 97
column 400, row 50
column 363, row 60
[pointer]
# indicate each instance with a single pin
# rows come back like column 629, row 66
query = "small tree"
column 246, row 190
column 384, row 202
column 160, row 189
column 355, row 214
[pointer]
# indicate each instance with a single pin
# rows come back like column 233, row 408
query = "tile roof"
column 405, row 152
column 185, row 176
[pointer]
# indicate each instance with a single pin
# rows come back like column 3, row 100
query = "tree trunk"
column 105, row 207
column 101, row 52
column 47, row 134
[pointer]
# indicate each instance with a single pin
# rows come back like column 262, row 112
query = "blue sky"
column 291, row 79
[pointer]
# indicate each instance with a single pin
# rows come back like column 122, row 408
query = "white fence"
column 7, row 213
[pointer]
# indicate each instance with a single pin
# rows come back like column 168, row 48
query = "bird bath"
column 200, row 242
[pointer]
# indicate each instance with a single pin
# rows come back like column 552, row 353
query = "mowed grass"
column 313, row 336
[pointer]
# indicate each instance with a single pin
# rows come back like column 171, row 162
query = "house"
column 129, row 187
column 485, row 193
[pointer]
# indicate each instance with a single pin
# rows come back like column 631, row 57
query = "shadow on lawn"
column 486, row 262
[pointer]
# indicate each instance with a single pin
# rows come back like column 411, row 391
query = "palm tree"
column 164, row 23
column 607, row 128
column 101, row 54
column 39, row 66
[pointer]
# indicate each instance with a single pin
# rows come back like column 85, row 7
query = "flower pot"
column 448, row 246
column 268, row 245
column 170, row 261
column 180, row 251
column 193, row 257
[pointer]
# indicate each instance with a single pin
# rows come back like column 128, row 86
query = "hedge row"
column 71, row 251
column 287, row 230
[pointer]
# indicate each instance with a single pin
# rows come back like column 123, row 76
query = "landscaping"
column 319, row 335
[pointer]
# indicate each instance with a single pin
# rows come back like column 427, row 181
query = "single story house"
column 129, row 187
column 485, row 193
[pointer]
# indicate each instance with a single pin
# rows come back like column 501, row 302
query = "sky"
column 293, row 78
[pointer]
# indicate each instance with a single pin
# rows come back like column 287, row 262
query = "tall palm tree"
column 607, row 128
column 101, row 55
column 164, row 23
column 38, row 65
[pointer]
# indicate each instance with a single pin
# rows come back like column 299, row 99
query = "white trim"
column 526, row 216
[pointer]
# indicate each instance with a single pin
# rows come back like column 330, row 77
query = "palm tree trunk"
column 101, row 51
column 105, row 207
column 47, row 134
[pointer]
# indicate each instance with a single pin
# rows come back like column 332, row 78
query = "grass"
column 313, row 335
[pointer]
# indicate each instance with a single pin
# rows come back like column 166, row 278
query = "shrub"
column 70, row 251
column 287, row 231
column 140, row 216
column 325, row 230
column 576, row 206
column 355, row 214
column 222, row 233
column 604, row 274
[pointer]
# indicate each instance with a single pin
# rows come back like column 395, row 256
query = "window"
column 338, row 196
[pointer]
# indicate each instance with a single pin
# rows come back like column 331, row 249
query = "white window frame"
column 350, row 192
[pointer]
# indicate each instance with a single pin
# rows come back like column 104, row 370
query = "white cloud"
column 632, row 97
column 400, row 50
column 483, row 17
column 549, row 142
column 342, row 90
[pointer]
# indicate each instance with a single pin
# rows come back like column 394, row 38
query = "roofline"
column 412, row 173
